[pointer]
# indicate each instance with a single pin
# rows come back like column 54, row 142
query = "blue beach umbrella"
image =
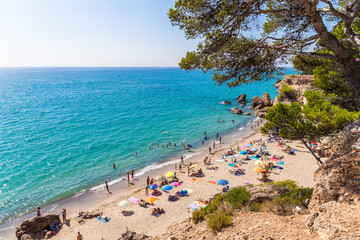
column 167, row 188
column 254, row 149
column 223, row 182
column 153, row 186
column 243, row 153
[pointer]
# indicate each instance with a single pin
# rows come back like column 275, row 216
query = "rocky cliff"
column 335, row 204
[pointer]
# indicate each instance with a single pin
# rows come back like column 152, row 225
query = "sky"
column 48, row 33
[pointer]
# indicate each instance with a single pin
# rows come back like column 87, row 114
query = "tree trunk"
column 353, row 75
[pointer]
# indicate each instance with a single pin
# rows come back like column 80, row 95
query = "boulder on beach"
column 226, row 102
column 89, row 215
column 236, row 110
column 33, row 228
column 241, row 98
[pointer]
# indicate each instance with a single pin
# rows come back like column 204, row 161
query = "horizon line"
column 100, row 66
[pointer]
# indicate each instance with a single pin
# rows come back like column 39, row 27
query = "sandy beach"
column 299, row 167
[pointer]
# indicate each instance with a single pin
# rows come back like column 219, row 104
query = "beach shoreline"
column 92, row 198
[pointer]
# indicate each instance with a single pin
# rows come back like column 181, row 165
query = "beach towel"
column 193, row 206
column 280, row 162
column 212, row 182
column 103, row 220
column 220, row 160
column 196, row 179
column 254, row 157
column 278, row 167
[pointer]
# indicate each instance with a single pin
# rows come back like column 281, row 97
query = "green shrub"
column 290, row 184
column 237, row 197
column 226, row 207
column 287, row 91
column 255, row 207
column 218, row 221
column 286, row 203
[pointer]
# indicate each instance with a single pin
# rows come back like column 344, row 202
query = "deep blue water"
column 63, row 128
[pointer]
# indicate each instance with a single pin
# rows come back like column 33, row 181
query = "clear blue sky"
column 89, row 33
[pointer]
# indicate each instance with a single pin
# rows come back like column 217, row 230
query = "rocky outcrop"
column 266, row 100
column 236, row 110
column 226, row 102
column 241, row 99
column 257, row 103
column 260, row 193
column 261, row 105
column 338, row 179
column 128, row 235
column 33, row 228
column 335, row 204
column 89, row 215
column 299, row 83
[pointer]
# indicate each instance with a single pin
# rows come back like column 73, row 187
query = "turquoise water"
column 63, row 128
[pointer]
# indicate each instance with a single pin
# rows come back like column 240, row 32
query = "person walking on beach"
column 147, row 181
column 220, row 141
column 180, row 167
column 128, row 177
column 107, row 186
column 64, row 215
column 210, row 150
column 213, row 144
column 79, row 236
column 132, row 174
column 38, row 212
column 182, row 160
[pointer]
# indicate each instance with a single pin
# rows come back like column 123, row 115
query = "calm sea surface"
column 61, row 129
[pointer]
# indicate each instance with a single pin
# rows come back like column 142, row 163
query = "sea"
column 62, row 129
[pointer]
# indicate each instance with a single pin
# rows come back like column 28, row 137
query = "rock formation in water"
column 242, row 99
column 236, row 110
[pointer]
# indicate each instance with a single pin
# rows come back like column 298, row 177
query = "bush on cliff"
column 236, row 197
column 218, row 220
column 286, row 91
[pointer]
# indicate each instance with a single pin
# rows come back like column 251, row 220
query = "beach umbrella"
column 234, row 165
column 169, row 174
column 254, row 149
column 258, row 170
column 123, row 203
column 134, row 199
column 192, row 166
column 150, row 199
column 188, row 190
column 243, row 153
column 175, row 184
column 259, row 163
column 152, row 186
column 223, row 182
column 167, row 187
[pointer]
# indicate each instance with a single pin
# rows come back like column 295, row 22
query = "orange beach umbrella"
column 150, row 199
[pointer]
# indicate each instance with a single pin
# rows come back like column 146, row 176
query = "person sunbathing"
column 162, row 211
column 212, row 168
column 239, row 171
column 155, row 212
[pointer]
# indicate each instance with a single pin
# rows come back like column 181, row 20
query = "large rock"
column 34, row 226
column 257, row 103
column 128, row 235
column 241, row 98
column 226, row 102
column 236, row 110
column 264, row 192
column 266, row 99
column 89, row 215
column 338, row 179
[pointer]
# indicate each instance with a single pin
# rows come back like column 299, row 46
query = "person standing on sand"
column 188, row 171
column 79, row 236
column 182, row 160
column 180, row 167
column 38, row 212
column 128, row 177
column 151, row 181
column 210, row 150
column 220, row 140
column 146, row 191
column 147, row 181
column 213, row 144
column 175, row 166
column 64, row 215
column 107, row 186
column 132, row 174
